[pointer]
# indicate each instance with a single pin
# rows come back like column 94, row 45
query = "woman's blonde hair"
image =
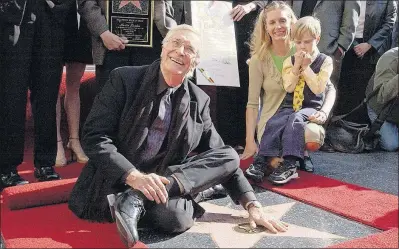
column 260, row 39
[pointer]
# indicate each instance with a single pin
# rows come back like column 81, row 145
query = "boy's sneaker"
column 256, row 171
column 283, row 173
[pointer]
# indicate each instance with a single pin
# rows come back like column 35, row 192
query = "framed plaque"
column 132, row 20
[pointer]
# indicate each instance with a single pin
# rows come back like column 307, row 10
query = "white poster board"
column 218, row 63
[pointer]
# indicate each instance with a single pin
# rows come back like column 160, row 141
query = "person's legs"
column 60, row 159
column 15, row 61
column 194, row 175
column 293, row 137
column 389, row 136
column 46, row 70
column 206, row 169
column 389, row 139
column 293, row 146
column 74, row 72
column 353, row 84
column 270, row 143
column 176, row 216
column 306, row 164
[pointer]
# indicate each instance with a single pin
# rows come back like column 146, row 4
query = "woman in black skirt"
column 77, row 54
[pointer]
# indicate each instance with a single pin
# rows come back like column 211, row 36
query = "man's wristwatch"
column 251, row 204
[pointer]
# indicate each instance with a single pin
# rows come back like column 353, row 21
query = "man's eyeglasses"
column 178, row 43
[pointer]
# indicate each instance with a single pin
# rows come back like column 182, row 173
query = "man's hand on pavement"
column 258, row 217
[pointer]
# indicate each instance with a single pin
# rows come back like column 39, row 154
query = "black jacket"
column 379, row 20
column 12, row 11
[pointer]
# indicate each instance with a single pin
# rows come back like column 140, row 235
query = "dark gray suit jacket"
column 93, row 12
column 379, row 21
column 338, row 22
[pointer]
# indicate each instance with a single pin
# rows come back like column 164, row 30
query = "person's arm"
column 329, row 100
column 261, row 4
column 251, row 115
column 320, row 117
column 163, row 16
column 348, row 25
column 239, row 11
column 91, row 12
column 380, row 37
column 386, row 74
column 100, row 130
column 290, row 75
column 317, row 82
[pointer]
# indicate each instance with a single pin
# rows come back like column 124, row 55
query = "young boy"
column 305, row 76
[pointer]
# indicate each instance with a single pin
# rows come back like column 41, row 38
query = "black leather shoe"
column 129, row 208
column 46, row 174
column 214, row 192
column 11, row 179
column 306, row 164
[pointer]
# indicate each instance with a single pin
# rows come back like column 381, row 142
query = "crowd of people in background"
column 333, row 49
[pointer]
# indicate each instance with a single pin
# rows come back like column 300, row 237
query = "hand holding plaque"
column 112, row 41
column 132, row 21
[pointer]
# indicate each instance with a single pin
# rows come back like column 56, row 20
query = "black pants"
column 197, row 173
column 34, row 62
column 356, row 73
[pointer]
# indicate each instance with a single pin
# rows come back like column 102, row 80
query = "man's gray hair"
column 182, row 27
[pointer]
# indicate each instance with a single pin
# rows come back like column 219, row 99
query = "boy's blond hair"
column 307, row 24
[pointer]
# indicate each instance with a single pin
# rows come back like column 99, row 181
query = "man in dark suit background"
column 140, row 135
column 372, row 39
column 31, row 57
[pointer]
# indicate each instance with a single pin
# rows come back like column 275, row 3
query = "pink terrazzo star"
column 126, row 2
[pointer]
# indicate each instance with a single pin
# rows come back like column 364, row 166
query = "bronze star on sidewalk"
column 126, row 2
column 225, row 226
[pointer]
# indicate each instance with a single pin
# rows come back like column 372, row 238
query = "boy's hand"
column 299, row 55
column 306, row 61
